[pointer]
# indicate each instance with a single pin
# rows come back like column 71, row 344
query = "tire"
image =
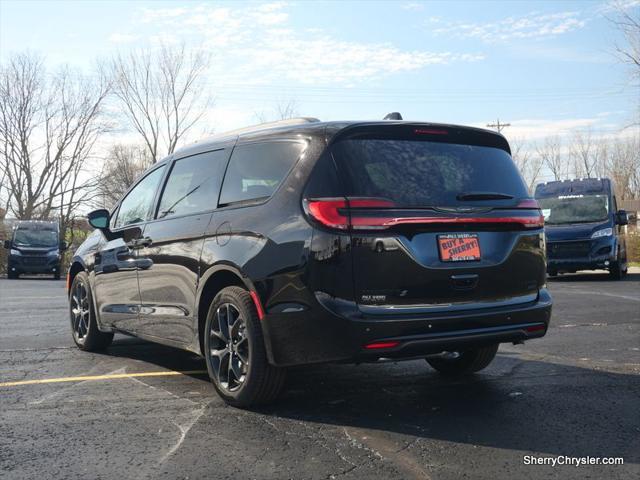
column 84, row 327
column 466, row 362
column 253, row 381
column 552, row 273
column 616, row 272
column 56, row 276
column 13, row 275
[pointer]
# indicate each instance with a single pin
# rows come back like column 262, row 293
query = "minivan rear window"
column 423, row 174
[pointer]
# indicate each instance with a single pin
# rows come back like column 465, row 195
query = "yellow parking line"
column 112, row 376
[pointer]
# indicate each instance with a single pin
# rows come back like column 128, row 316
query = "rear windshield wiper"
column 483, row 196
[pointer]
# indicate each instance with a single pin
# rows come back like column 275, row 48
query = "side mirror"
column 63, row 246
column 99, row 219
column 7, row 244
column 622, row 218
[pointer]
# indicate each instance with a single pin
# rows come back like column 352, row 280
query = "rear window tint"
column 422, row 173
column 256, row 170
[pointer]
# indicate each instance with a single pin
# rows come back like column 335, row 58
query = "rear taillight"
column 334, row 212
column 532, row 204
column 345, row 213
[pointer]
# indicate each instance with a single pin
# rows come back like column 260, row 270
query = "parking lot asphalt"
column 574, row 393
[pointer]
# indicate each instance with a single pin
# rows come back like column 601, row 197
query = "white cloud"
column 537, row 129
column 541, row 128
column 531, row 26
column 617, row 5
column 152, row 14
column 256, row 44
column 123, row 38
column 413, row 6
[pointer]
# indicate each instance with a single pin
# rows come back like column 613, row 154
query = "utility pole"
column 498, row 126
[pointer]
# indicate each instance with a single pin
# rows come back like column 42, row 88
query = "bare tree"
column 529, row 164
column 49, row 126
column 282, row 110
column 627, row 21
column 4, row 192
column 122, row 166
column 287, row 109
column 550, row 153
column 585, row 152
column 162, row 94
column 623, row 166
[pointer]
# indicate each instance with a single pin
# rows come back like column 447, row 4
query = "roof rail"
column 263, row 126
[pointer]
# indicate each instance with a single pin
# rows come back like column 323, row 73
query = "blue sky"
column 545, row 67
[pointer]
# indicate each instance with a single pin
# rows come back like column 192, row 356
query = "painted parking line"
column 605, row 294
column 112, row 376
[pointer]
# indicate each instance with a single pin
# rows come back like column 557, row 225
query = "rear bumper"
column 320, row 335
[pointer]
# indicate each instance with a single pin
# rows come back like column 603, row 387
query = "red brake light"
column 380, row 345
column 429, row 131
column 332, row 212
column 327, row 212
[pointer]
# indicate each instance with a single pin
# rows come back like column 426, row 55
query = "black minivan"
column 302, row 242
column 584, row 228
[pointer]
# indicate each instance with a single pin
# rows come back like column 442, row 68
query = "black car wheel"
column 464, row 362
column 12, row 275
column 235, row 353
column 83, row 319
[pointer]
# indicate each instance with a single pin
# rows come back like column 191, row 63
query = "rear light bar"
column 337, row 213
column 381, row 345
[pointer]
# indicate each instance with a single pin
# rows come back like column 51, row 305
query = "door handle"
column 140, row 242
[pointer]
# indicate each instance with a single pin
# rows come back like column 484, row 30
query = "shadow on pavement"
column 516, row 405
column 165, row 357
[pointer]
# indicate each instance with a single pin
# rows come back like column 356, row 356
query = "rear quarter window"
column 423, row 173
column 256, row 170
column 193, row 184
